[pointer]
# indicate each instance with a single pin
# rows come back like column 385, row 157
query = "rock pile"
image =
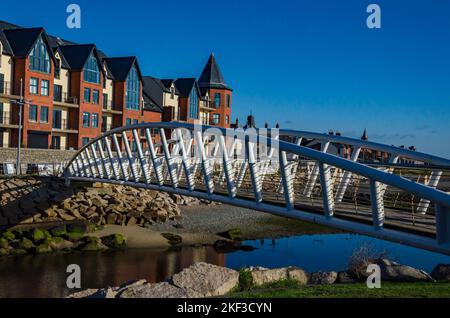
column 199, row 280
column 35, row 200
column 206, row 280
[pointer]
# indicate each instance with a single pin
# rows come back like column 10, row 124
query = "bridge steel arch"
column 130, row 156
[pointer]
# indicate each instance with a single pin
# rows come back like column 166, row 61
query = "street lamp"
column 21, row 103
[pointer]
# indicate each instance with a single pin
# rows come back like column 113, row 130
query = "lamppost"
column 21, row 103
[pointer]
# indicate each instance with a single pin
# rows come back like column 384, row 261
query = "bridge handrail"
column 393, row 180
column 367, row 144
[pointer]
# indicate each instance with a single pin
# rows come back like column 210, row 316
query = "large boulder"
column 207, row 280
column 159, row 290
column 58, row 244
column 43, row 248
column 323, row 278
column 3, row 243
column 92, row 244
column 298, row 275
column 344, row 277
column 26, row 244
column 268, row 276
column 441, row 272
column 114, row 241
column 392, row 271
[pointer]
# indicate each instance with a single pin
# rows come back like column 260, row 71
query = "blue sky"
column 307, row 64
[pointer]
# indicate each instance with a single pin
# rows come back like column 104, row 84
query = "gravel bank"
column 253, row 224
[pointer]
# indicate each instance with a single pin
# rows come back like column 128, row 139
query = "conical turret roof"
column 211, row 76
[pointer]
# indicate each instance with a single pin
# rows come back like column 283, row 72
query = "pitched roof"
column 151, row 105
column 154, row 89
column 64, row 63
column 121, row 66
column 211, row 76
column 21, row 41
column 185, row 86
column 76, row 55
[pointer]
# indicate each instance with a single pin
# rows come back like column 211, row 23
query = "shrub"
column 245, row 280
column 361, row 258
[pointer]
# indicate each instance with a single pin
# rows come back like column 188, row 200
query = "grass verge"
column 290, row 289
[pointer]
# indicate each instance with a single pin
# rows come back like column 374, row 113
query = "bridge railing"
column 268, row 174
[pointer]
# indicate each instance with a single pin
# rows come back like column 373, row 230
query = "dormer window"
column 39, row 57
column 91, row 70
column 172, row 92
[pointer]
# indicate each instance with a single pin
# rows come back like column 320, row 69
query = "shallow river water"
column 45, row 275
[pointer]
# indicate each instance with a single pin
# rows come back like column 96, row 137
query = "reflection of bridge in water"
column 401, row 202
column 41, row 276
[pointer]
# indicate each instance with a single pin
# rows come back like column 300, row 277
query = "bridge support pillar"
column 443, row 225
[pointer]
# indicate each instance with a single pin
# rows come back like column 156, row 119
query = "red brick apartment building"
column 74, row 92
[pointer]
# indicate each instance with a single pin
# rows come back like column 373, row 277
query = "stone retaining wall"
column 36, row 156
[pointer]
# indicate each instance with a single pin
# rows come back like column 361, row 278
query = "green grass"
column 289, row 289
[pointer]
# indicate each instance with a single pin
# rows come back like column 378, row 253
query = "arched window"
column 39, row 57
column 91, row 70
column 133, row 90
column 193, row 104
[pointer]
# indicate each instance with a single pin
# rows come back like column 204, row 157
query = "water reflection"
column 45, row 275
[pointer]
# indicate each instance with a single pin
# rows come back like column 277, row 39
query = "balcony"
column 109, row 107
column 6, row 120
column 64, row 99
column 63, row 125
column 208, row 106
column 7, row 89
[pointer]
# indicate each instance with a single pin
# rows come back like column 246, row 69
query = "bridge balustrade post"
column 112, row 162
column 287, row 181
column 346, row 177
column 184, row 161
column 312, row 177
column 119, row 158
column 102, row 157
column 227, row 168
column 443, row 224
column 254, row 172
column 129, row 156
column 433, row 182
column 97, row 166
column 141, row 157
column 157, row 167
column 377, row 202
column 169, row 161
column 203, row 160
column 327, row 189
